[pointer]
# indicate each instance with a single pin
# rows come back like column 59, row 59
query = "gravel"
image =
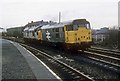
column 85, row 65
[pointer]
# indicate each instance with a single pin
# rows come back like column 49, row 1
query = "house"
column 100, row 35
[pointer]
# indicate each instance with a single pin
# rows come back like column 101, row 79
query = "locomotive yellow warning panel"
column 39, row 35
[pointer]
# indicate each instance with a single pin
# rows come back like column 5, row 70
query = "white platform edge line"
column 9, row 41
column 39, row 61
column 43, row 64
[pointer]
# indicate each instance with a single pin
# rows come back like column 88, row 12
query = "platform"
column 19, row 63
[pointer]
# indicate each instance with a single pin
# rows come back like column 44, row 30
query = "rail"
column 77, row 72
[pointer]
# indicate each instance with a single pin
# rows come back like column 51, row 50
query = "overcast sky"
column 100, row 13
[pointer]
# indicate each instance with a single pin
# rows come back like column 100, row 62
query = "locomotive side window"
column 88, row 26
column 53, row 30
column 70, row 28
column 57, row 30
column 62, row 29
column 33, row 33
column 37, row 33
column 27, row 33
column 57, row 35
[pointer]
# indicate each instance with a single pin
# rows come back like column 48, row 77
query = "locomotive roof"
column 57, row 25
column 33, row 28
column 37, row 23
column 54, row 25
column 34, row 25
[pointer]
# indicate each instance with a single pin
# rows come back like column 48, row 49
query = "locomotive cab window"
column 81, row 25
column 75, row 27
column 87, row 26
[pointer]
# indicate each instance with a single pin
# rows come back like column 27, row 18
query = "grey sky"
column 19, row 12
column 119, row 15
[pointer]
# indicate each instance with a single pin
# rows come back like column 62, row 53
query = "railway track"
column 74, row 73
column 86, row 66
column 108, row 57
column 109, row 52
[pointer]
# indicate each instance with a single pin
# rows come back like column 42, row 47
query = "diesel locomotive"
column 72, row 35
